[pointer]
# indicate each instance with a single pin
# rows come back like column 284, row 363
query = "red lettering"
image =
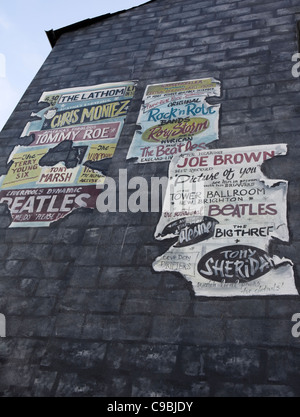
column 252, row 156
column 218, row 160
column 240, row 210
column 241, row 158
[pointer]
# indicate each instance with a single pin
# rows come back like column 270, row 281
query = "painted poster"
column 65, row 151
column 222, row 214
column 176, row 118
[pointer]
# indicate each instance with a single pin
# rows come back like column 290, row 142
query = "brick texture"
column 86, row 314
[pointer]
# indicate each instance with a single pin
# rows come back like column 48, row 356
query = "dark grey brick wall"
column 86, row 315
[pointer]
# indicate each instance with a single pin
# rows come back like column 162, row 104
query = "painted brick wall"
column 86, row 315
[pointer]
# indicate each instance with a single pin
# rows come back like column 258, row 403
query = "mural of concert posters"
column 176, row 118
column 222, row 213
column 64, row 151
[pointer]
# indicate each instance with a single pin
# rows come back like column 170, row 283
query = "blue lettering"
column 152, row 115
column 194, row 110
column 191, row 110
column 156, row 114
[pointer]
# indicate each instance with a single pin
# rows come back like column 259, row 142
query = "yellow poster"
column 99, row 152
column 25, row 168
column 58, row 174
column 89, row 176
column 180, row 87
column 96, row 153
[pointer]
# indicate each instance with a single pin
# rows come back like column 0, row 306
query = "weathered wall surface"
column 86, row 315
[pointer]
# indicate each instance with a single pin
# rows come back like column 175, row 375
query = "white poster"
column 222, row 213
column 176, row 118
